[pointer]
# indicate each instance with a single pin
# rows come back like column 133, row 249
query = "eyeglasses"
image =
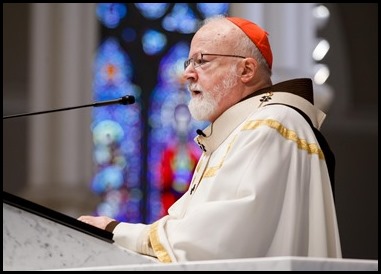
column 198, row 59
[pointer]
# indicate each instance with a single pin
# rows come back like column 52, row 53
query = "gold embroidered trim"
column 157, row 247
column 211, row 171
column 311, row 148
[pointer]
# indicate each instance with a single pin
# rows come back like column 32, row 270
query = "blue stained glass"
column 210, row 9
column 109, row 178
column 106, row 132
column 110, row 14
column 152, row 10
column 153, row 42
column 114, row 128
column 102, row 155
column 112, row 69
column 108, row 209
column 181, row 19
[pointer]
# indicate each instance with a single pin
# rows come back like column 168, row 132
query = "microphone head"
column 200, row 132
column 127, row 100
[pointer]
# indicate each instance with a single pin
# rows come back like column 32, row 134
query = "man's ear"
column 250, row 66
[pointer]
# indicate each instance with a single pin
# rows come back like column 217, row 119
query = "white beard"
column 203, row 107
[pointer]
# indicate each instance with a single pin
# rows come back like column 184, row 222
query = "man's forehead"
column 210, row 40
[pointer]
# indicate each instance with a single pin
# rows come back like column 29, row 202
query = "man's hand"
column 98, row 221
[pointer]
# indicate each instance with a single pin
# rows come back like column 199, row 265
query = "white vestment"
column 261, row 188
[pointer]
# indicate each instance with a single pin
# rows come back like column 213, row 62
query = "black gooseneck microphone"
column 200, row 132
column 125, row 100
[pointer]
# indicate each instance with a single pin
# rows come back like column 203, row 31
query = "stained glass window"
column 144, row 153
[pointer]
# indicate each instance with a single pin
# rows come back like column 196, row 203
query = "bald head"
column 219, row 33
column 237, row 35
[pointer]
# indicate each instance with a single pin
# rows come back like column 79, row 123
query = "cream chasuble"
column 261, row 188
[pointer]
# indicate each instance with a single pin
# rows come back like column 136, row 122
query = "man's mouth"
column 196, row 92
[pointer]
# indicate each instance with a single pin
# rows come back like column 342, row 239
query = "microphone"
column 200, row 132
column 125, row 100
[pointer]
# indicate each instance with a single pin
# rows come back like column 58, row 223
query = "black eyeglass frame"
column 202, row 61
